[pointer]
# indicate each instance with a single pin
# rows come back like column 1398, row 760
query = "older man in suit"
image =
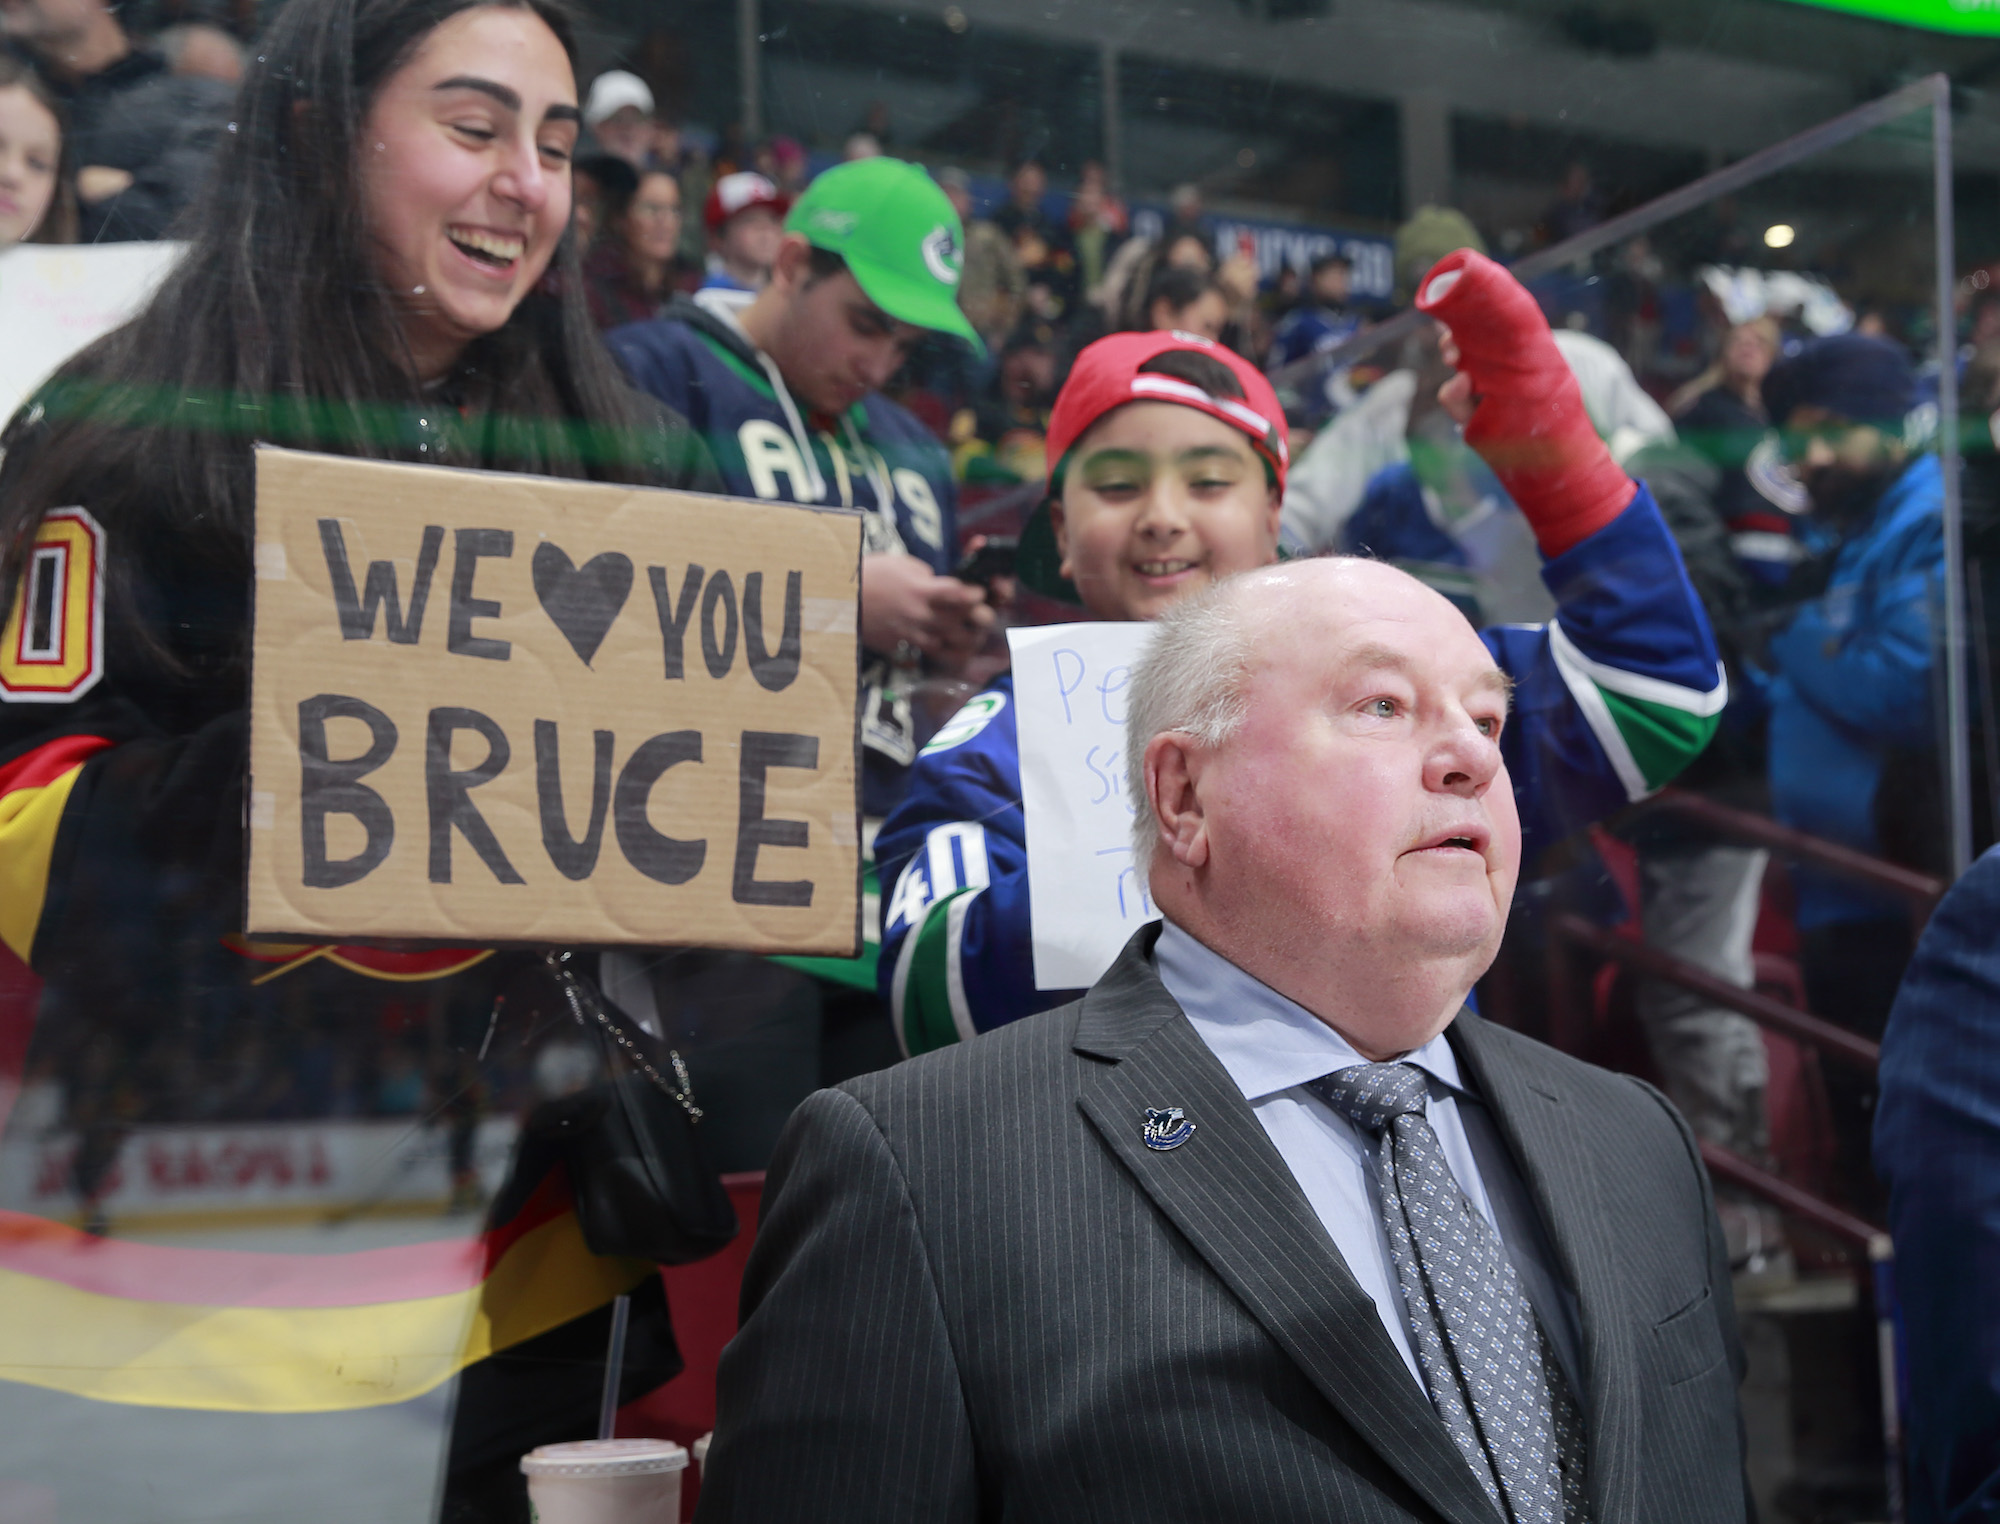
column 1266, row 1226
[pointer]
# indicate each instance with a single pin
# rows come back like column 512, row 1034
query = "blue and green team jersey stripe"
column 928, row 1000
column 1650, row 729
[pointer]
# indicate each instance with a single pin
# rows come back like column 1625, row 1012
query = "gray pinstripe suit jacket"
column 977, row 1294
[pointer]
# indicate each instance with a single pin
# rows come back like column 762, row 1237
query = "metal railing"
column 1921, row 892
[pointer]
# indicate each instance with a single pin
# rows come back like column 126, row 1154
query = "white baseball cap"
column 611, row 92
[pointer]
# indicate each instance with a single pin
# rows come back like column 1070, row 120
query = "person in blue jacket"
column 1937, row 1148
column 1322, row 320
column 1853, row 728
column 786, row 391
column 1167, row 468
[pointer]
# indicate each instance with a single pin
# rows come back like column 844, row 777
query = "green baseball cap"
column 898, row 234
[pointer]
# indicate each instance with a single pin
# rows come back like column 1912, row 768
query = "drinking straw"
column 614, row 1368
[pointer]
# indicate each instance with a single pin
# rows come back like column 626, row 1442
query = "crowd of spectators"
column 105, row 135
column 1786, row 450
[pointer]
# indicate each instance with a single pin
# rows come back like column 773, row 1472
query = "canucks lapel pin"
column 1167, row 1127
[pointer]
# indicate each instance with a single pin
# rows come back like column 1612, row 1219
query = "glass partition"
column 307, row 1232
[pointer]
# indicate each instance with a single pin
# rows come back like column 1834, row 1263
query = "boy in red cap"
column 745, row 218
column 1167, row 461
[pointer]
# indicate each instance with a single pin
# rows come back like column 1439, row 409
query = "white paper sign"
column 1070, row 682
column 55, row 298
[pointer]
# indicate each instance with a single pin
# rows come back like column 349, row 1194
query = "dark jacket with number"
column 875, row 457
column 392, row 1094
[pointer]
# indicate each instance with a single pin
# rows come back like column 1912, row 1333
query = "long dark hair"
column 276, row 326
column 58, row 224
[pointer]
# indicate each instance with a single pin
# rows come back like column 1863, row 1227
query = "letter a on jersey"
column 52, row 645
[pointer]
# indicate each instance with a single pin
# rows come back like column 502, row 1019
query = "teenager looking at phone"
column 787, row 391
column 1167, row 463
column 366, row 277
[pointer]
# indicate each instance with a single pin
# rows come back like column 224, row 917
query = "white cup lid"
column 605, row 1457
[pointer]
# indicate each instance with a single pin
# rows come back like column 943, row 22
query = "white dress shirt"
column 1271, row 1047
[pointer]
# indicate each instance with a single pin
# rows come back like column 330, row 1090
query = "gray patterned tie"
column 1484, row 1356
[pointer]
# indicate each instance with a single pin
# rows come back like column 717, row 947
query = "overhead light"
column 1779, row 235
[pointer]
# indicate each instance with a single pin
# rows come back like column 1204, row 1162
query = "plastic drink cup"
column 606, row 1481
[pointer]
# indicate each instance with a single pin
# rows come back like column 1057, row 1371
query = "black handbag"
column 643, row 1185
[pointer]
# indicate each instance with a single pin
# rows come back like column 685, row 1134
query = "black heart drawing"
column 582, row 600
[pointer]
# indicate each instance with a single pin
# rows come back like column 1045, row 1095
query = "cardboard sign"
column 490, row 708
column 56, row 298
column 1086, row 900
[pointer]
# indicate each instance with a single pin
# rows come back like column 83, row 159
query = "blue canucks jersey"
column 876, row 457
column 1612, row 698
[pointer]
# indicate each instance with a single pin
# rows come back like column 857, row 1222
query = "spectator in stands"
column 1041, row 242
column 1937, row 1140
column 744, row 215
column 1186, row 217
column 994, row 285
column 1721, row 413
column 37, row 202
column 1010, row 426
column 860, row 145
column 1097, row 225
column 205, row 52
column 783, row 162
column 1577, row 207
column 1332, row 474
column 1322, row 319
column 142, row 137
column 1167, row 464
column 619, row 114
column 1421, row 242
column 1186, row 301
column 1853, row 731
column 633, row 268
column 598, row 180
column 787, row 387
column 347, row 291
column 1188, row 249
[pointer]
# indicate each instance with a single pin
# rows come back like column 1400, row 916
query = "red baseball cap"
column 741, row 192
column 1108, row 375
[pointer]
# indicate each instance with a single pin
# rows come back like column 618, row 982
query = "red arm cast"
column 1529, row 423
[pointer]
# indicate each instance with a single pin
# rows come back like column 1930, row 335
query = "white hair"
column 1188, row 681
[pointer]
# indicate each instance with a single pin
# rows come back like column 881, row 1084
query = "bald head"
column 1324, row 801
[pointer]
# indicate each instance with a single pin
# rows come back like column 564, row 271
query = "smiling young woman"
column 381, row 268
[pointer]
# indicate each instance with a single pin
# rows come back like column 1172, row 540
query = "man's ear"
column 1173, row 775
column 793, row 265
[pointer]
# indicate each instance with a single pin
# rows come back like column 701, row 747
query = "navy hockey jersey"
column 875, row 457
column 1611, row 700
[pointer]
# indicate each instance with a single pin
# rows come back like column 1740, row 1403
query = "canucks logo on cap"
column 941, row 254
